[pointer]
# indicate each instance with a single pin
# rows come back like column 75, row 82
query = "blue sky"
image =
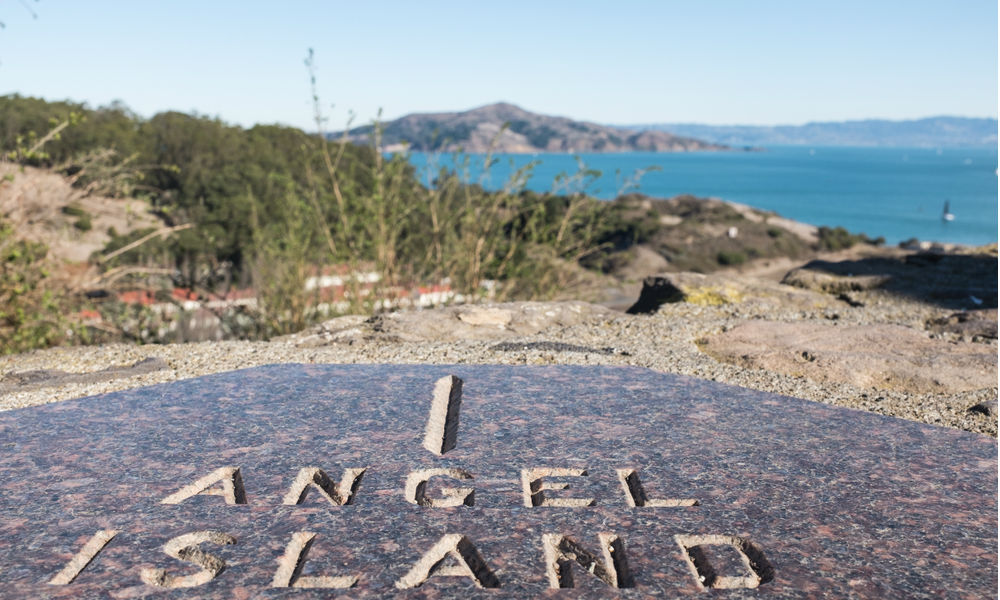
column 711, row 61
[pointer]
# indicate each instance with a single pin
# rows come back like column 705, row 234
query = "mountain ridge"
column 930, row 132
column 505, row 127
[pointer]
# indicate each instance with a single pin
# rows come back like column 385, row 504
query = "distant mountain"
column 931, row 132
column 481, row 129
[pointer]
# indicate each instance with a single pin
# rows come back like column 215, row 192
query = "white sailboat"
column 946, row 215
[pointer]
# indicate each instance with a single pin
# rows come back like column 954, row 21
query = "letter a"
column 469, row 563
column 229, row 477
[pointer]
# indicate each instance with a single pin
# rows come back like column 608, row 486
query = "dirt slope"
column 33, row 201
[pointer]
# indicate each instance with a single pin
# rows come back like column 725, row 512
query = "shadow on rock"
column 951, row 281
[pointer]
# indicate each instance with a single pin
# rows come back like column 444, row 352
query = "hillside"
column 482, row 129
column 45, row 207
column 929, row 133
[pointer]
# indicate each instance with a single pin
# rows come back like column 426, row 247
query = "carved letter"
column 313, row 477
column 416, row 488
column 636, row 496
column 229, row 477
column 561, row 552
column 754, row 567
column 82, row 558
column 534, row 488
column 468, row 563
column 441, row 433
column 185, row 547
column 289, row 573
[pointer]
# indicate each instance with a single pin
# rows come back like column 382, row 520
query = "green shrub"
column 73, row 210
column 84, row 223
column 30, row 312
column 728, row 258
column 838, row 238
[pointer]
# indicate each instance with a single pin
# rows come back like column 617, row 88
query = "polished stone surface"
column 739, row 489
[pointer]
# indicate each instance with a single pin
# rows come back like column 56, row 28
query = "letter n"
column 338, row 495
column 561, row 552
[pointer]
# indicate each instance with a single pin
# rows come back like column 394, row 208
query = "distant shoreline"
column 897, row 193
column 930, row 132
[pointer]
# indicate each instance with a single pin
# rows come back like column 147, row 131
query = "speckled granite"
column 819, row 501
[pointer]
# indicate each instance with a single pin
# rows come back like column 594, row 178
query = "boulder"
column 831, row 283
column 348, row 328
column 880, row 356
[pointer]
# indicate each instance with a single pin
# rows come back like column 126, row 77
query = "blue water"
column 898, row 193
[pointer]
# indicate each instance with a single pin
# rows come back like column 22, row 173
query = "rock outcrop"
column 867, row 356
column 453, row 323
column 724, row 288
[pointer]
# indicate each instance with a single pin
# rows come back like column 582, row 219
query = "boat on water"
column 946, row 215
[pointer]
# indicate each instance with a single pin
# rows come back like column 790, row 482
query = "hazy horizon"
column 333, row 127
column 722, row 63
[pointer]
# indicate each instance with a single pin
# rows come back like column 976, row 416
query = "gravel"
column 665, row 341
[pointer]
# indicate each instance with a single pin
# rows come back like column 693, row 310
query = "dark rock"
column 972, row 324
column 656, row 291
column 987, row 407
column 850, row 299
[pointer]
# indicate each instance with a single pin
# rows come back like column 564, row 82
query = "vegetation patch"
column 31, row 307
column 838, row 238
column 712, row 296
column 729, row 258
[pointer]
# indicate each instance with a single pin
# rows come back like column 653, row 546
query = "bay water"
column 896, row 193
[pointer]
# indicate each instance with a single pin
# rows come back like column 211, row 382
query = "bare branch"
column 164, row 232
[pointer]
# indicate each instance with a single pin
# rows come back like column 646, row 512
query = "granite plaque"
column 486, row 481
